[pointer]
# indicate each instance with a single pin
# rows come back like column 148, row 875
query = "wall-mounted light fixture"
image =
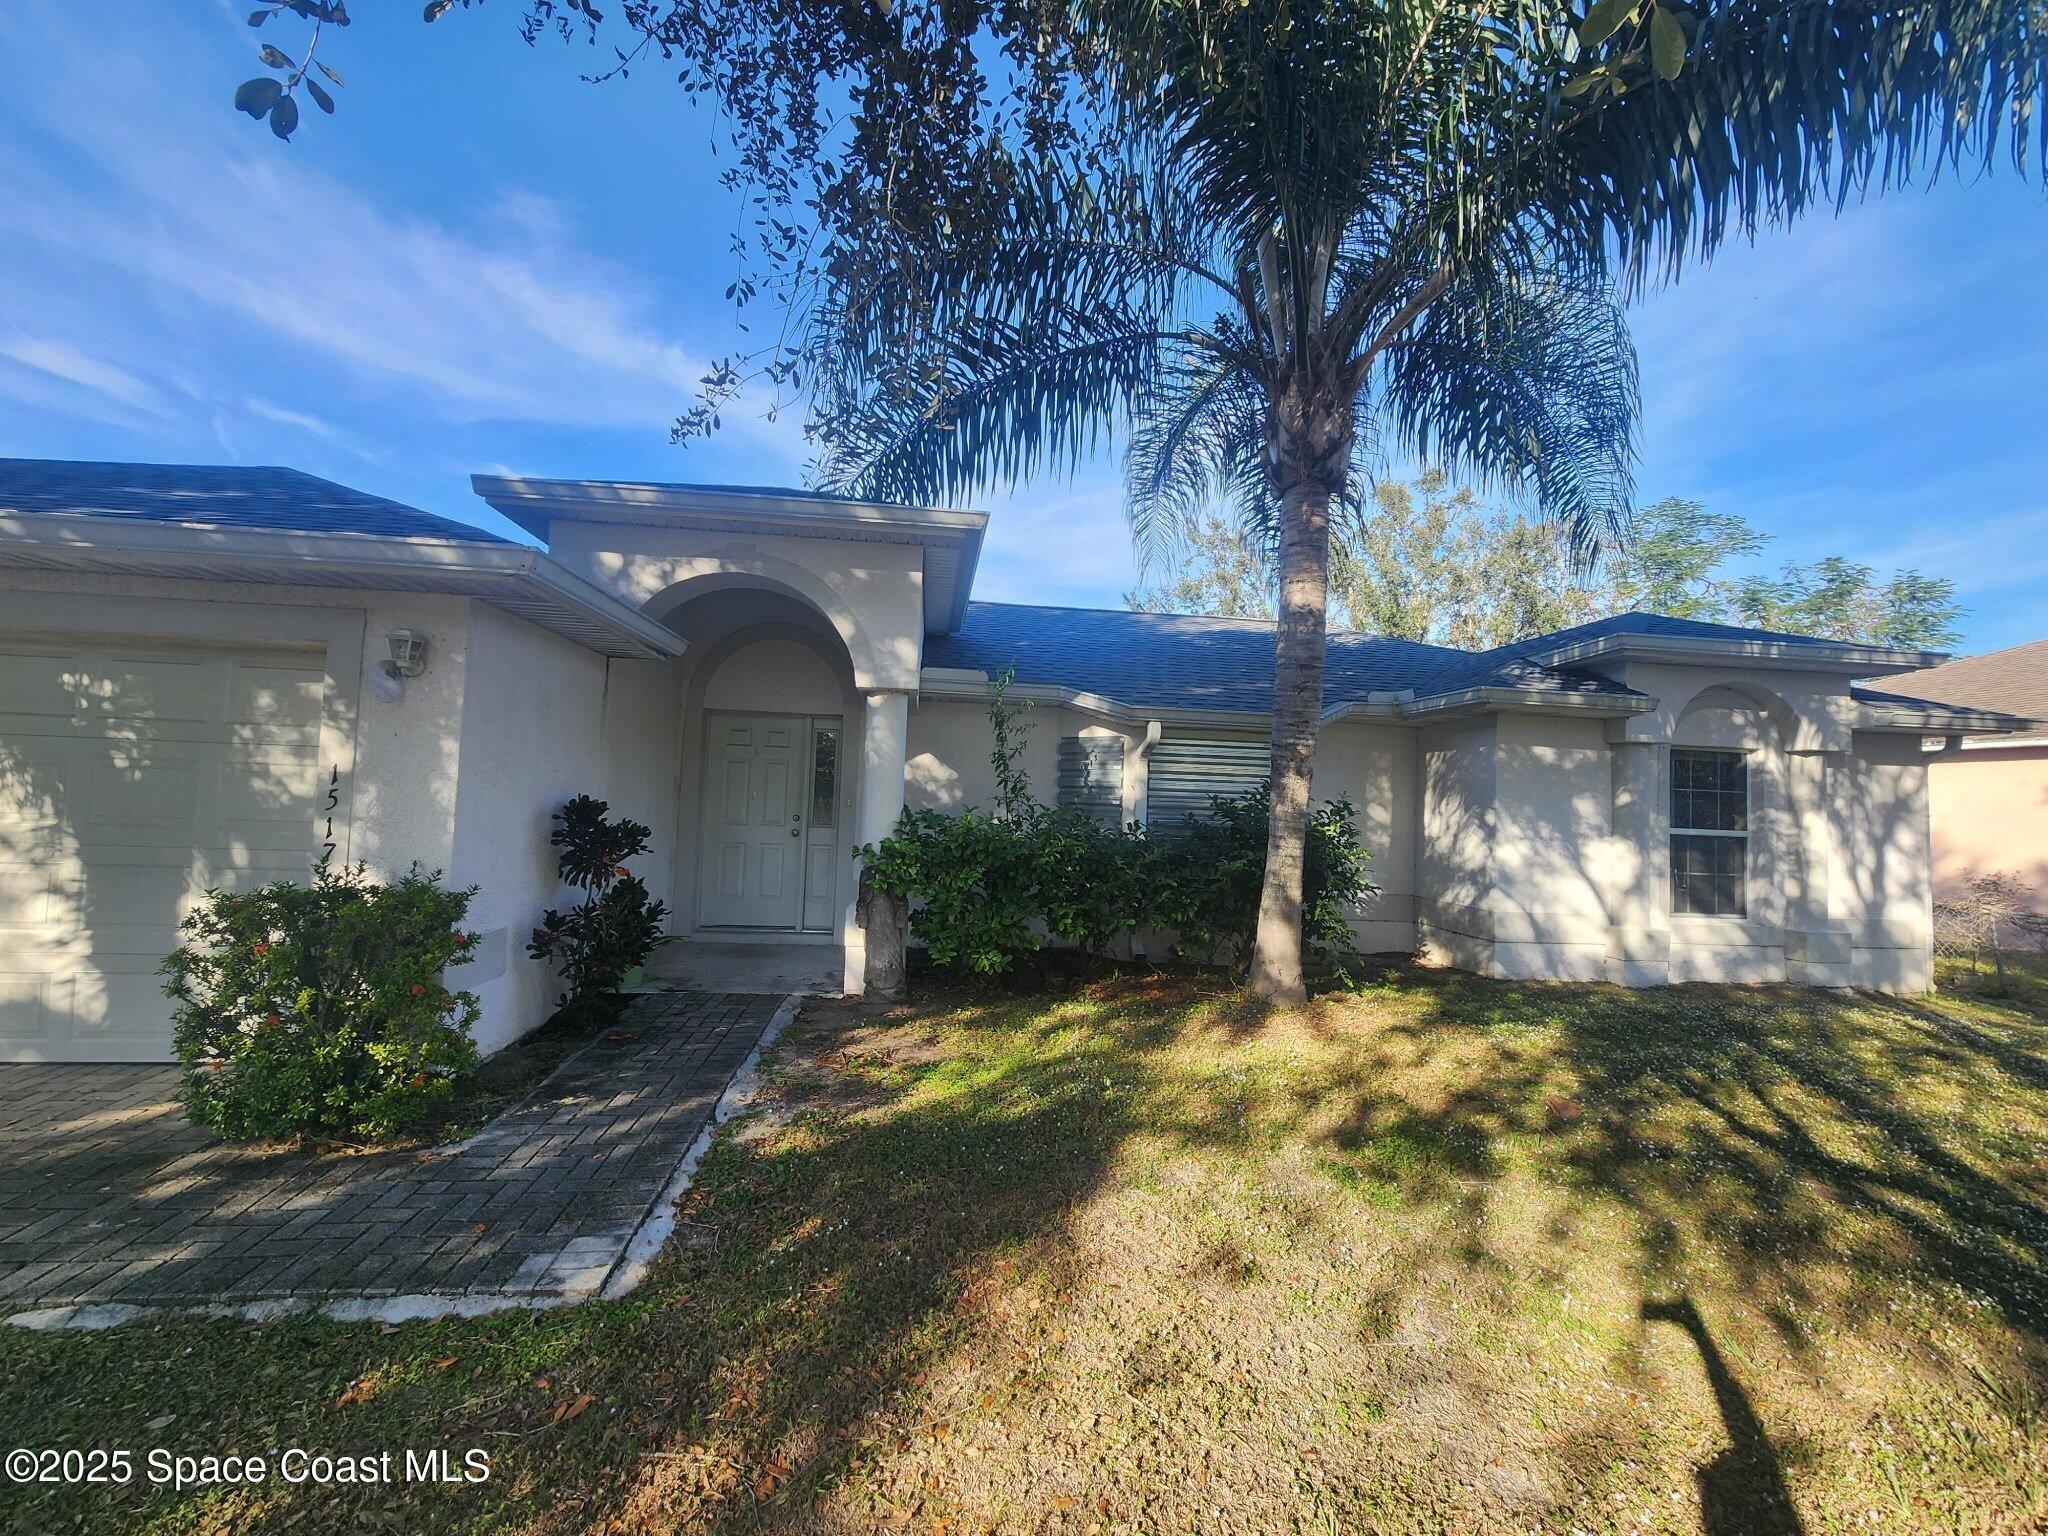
column 408, row 649
column 408, row 652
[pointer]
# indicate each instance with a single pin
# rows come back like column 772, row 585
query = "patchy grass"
column 1434, row 1254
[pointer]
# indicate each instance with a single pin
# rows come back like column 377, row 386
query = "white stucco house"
column 196, row 690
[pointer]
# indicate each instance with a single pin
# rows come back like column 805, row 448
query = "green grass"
column 1434, row 1254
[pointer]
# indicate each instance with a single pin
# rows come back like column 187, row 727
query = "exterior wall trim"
column 523, row 581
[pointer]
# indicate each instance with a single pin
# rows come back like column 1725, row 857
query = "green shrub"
column 616, row 925
column 1092, row 884
column 320, row 1010
column 1216, row 862
column 969, row 877
column 986, row 887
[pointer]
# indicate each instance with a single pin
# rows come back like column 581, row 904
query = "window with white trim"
column 1709, row 832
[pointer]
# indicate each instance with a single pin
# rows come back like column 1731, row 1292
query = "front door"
column 752, row 852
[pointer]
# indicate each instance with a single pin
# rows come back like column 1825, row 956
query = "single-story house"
column 210, row 676
column 1988, row 798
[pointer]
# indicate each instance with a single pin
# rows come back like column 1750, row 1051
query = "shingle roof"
column 1177, row 661
column 1988, row 719
column 2013, row 681
column 1636, row 622
column 220, row 495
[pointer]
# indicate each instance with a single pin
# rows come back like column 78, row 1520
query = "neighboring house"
column 196, row 690
column 1989, row 796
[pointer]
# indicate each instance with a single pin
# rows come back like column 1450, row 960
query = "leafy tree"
column 1842, row 600
column 1272, row 240
column 1321, row 232
column 1672, row 563
column 1440, row 566
column 1221, row 571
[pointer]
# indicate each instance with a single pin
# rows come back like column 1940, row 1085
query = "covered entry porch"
column 776, row 744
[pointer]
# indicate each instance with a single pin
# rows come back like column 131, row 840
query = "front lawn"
column 1437, row 1254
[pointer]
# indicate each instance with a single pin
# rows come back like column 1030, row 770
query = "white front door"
column 752, row 851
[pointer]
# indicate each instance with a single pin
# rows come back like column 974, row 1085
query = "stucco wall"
column 948, row 766
column 1990, row 813
column 532, row 737
column 1550, row 868
column 643, row 735
column 872, row 594
column 1882, row 863
column 1455, row 834
column 1376, row 768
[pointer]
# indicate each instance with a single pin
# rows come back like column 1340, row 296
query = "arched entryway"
column 767, row 788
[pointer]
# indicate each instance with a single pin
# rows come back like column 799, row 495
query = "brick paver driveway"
column 107, row 1193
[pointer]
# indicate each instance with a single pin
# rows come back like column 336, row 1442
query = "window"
column 1709, row 833
column 825, row 776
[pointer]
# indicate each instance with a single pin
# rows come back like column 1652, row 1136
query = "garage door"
column 132, row 778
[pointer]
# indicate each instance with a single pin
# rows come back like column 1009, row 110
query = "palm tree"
column 1316, row 234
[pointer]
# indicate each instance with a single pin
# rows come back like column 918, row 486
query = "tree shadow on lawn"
column 1784, row 1130
column 1831, row 1154
column 1822, row 1149
column 1742, row 1490
column 828, row 1263
column 818, row 1271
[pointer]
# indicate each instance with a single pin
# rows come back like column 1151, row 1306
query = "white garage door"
column 133, row 776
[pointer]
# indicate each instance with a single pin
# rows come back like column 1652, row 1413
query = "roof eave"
column 613, row 501
column 1948, row 722
column 2031, row 740
column 1493, row 700
column 533, row 504
column 1393, row 706
column 1777, row 655
column 519, row 579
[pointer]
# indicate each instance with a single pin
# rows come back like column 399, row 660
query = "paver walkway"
column 108, row 1194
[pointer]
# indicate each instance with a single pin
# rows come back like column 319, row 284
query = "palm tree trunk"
column 1305, row 496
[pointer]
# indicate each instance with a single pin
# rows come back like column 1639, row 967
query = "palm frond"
column 1529, row 384
column 1197, row 437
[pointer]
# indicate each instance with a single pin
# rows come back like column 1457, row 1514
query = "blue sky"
column 483, row 264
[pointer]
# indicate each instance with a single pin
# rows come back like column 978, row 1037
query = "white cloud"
column 491, row 314
column 305, row 421
column 1059, row 544
column 60, row 360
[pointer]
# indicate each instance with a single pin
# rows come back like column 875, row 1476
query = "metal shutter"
column 1188, row 773
column 1092, row 777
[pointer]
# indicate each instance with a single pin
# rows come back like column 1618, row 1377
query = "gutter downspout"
column 1139, row 796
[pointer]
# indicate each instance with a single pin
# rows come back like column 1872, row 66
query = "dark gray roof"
column 219, row 495
column 1639, row 623
column 1176, row 661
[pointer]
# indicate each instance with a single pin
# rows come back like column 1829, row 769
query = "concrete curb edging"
column 625, row 1274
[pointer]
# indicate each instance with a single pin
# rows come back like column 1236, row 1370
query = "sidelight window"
column 825, row 776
